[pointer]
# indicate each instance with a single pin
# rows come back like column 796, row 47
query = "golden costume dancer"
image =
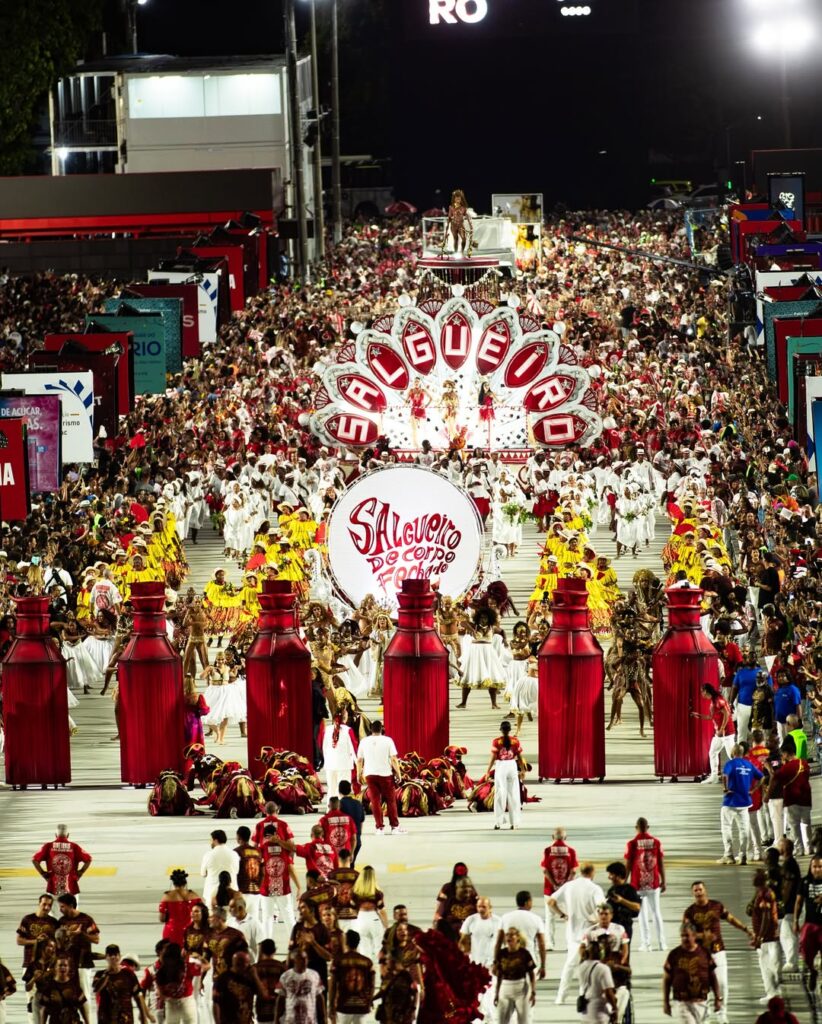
column 450, row 404
column 459, row 228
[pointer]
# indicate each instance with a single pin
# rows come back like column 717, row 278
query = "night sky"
column 585, row 110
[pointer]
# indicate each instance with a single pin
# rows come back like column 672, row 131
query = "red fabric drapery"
column 571, row 691
column 150, row 681
column 683, row 661
column 35, row 701
column 415, row 680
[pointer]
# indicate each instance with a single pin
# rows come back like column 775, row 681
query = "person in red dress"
column 644, row 860
column 65, row 864
column 175, row 907
column 559, row 865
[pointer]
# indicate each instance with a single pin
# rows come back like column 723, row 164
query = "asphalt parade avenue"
column 134, row 853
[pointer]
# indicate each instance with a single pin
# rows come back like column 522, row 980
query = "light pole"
column 131, row 13
column 783, row 29
column 319, row 213
column 335, row 123
column 295, row 131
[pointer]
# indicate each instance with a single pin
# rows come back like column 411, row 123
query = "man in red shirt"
column 319, row 855
column 794, row 779
column 339, row 829
column 66, row 863
column 723, row 723
column 283, row 829
column 644, row 861
column 559, row 865
column 275, row 890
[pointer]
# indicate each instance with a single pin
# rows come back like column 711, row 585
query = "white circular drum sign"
column 398, row 523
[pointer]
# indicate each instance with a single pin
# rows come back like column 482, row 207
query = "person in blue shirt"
column 787, row 701
column 744, row 684
column 739, row 779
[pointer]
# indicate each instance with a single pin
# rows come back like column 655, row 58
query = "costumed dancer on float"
column 485, row 401
column 460, row 227
column 418, row 400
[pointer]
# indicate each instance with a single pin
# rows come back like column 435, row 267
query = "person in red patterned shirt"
column 65, row 864
column 644, row 860
column 278, row 873
column 559, row 865
column 339, row 829
column 319, row 855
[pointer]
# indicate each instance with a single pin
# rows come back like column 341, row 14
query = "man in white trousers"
column 530, row 924
column 478, row 939
column 576, row 903
column 723, row 737
column 739, row 777
column 707, row 915
column 791, row 881
column 645, row 861
column 559, row 865
column 219, row 858
column 689, row 975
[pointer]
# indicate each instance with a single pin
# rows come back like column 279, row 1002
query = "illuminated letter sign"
column 450, row 12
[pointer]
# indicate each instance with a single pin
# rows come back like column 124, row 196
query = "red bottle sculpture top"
column 32, row 620
column 279, row 608
column 148, row 601
column 416, row 636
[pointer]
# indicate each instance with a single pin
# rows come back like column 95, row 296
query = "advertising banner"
column 76, row 394
column 403, row 522
column 15, row 496
column 816, row 426
column 114, row 343
column 188, row 295
column 208, row 292
column 149, row 345
column 73, row 359
column 813, row 391
column 794, row 347
column 784, row 310
column 41, row 414
column 171, row 311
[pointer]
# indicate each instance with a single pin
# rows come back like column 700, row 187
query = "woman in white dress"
column 224, row 698
column 81, row 671
column 234, row 526
column 100, row 642
column 482, row 668
column 627, row 522
column 339, row 753
column 525, row 694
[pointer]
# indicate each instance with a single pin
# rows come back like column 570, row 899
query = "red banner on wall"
column 14, row 471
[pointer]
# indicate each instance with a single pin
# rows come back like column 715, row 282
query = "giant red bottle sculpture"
column 415, row 676
column 278, row 678
column 35, row 701
column 571, row 691
column 683, row 660
column 151, row 707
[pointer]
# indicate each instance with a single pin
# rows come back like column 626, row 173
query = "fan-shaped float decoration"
column 456, row 373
